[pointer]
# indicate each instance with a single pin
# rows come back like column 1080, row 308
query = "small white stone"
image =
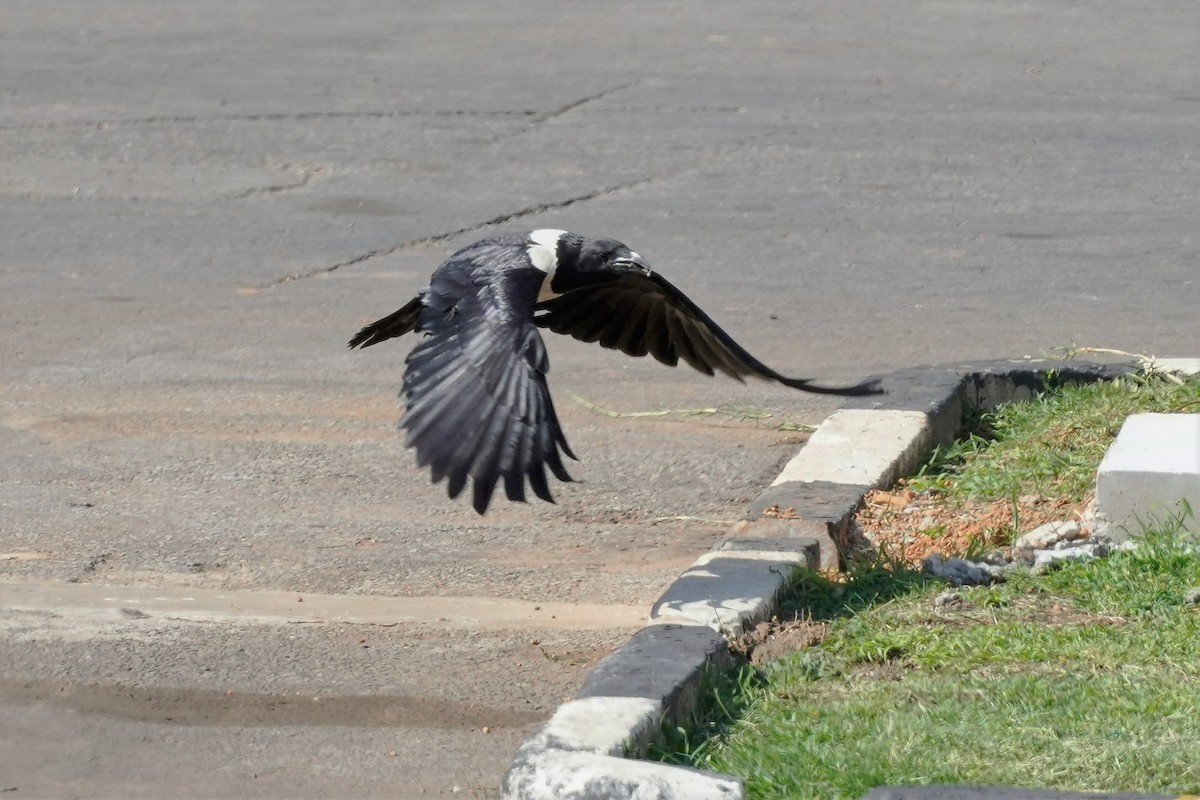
column 1047, row 560
column 1048, row 535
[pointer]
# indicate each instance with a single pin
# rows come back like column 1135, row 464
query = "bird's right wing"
column 477, row 401
column 646, row 314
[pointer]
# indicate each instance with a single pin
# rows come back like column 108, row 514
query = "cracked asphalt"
column 201, row 202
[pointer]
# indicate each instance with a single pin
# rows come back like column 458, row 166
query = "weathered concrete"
column 726, row 590
column 562, row 775
column 865, row 448
column 1178, row 366
column 195, row 604
column 1150, row 475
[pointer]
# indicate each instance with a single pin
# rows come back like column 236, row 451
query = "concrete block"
column 991, row 383
column 1178, row 366
column 728, row 590
column 821, row 501
column 599, row 725
column 1152, row 467
column 738, row 541
column 664, row 663
column 558, row 775
column 864, row 448
column 809, row 537
column 937, row 392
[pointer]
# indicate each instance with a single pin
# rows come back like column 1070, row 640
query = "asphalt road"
column 220, row 573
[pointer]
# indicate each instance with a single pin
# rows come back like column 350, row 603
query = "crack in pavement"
column 558, row 112
column 547, row 116
column 190, row 119
column 534, row 115
column 306, row 173
column 670, row 110
column 424, row 241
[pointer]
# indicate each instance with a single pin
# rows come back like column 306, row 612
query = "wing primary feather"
column 633, row 333
column 537, row 481
column 683, row 344
column 395, row 324
column 456, row 484
column 658, row 336
column 467, row 449
column 516, row 454
column 486, row 469
column 535, row 462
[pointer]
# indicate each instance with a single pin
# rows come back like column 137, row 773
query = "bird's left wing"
column 475, row 386
column 646, row 314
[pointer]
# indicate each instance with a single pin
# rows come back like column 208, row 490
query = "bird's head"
column 609, row 257
column 575, row 262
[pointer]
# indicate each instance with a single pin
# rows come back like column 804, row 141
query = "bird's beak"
column 634, row 263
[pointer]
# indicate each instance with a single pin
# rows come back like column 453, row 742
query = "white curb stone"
column 598, row 725
column 1178, row 366
column 725, row 589
column 1148, row 472
column 862, row 447
column 561, row 775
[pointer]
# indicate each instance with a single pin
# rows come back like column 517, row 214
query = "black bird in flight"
column 475, row 385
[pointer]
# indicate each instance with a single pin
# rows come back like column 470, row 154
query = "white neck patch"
column 543, row 253
column 544, row 250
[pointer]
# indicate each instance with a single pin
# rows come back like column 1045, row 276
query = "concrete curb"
column 584, row 752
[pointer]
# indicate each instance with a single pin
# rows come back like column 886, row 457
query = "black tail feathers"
column 395, row 324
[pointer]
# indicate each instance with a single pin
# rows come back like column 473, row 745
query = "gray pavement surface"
column 201, row 202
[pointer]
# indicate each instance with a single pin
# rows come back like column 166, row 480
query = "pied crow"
column 475, row 385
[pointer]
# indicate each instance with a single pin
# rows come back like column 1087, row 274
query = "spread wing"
column 646, row 314
column 475, row 386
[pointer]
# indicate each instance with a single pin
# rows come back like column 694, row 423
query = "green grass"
column 1051, row 445
column 1087, row 678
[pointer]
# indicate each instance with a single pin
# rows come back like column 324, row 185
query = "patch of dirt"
column 1034, row 609
column 908, row 525
column 775, row 512
column 889, row 670
column 773, row 640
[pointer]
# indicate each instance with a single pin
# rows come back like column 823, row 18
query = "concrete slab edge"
column 588, row 749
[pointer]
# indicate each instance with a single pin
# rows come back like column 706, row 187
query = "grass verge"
column 1049, row 446
column 1019, row 466
column 1084, row 679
